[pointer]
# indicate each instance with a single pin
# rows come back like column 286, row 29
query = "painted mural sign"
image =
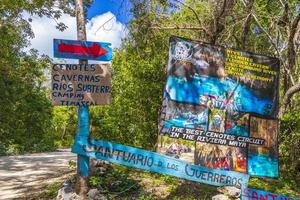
column 220, row 107
column 253, row 194
column 151, row 161
column 81, row 84
column 86, row 50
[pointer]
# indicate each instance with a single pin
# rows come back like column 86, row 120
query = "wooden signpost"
column 81, row 85
column 83, row 162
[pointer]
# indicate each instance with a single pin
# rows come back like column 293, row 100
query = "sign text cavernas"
column 81, row 84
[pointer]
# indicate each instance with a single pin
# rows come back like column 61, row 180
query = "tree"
column 26, row 113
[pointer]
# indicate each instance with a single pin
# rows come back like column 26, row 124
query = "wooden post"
column 83, row 115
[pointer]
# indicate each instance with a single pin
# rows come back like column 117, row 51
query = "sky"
column 114, row 11
column 120, row 8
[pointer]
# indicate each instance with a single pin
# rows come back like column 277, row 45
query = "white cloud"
column 106, row 28
column 44, row 31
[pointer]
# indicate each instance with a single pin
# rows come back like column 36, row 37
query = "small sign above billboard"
column 76, row 49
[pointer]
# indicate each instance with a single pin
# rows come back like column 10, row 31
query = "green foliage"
column 26, row 109
column 121, row 182
column 63, row 123
column 284, row 185
column 50, row 192
column 289, row 148
column 138, row 78
column 95, row 181
column 72, row 164
column 26, row 113
column 115, row 182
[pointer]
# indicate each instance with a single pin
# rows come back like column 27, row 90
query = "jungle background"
column 28, row 122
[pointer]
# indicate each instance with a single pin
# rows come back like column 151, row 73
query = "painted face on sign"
column 181, row 51
column 217, row 120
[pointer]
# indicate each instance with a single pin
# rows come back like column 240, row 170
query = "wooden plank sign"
column 155, row 162
column 81, row 84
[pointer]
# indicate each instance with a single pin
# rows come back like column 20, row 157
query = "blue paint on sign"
column 76, row 49
column 254, row 194
column 151, row 161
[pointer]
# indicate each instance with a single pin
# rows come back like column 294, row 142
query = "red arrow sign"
column 94, row 50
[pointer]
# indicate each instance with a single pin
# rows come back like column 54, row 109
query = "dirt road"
column 21, row 176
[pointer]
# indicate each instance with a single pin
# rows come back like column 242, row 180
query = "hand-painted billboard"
column 220, row 107
column 81, row 84
column 76, row 49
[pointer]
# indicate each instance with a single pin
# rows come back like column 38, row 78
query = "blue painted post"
column 82, row 139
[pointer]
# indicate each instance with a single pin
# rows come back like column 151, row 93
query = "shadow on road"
column 25, row 175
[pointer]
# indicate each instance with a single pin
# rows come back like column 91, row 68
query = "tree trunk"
column 287, row 98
